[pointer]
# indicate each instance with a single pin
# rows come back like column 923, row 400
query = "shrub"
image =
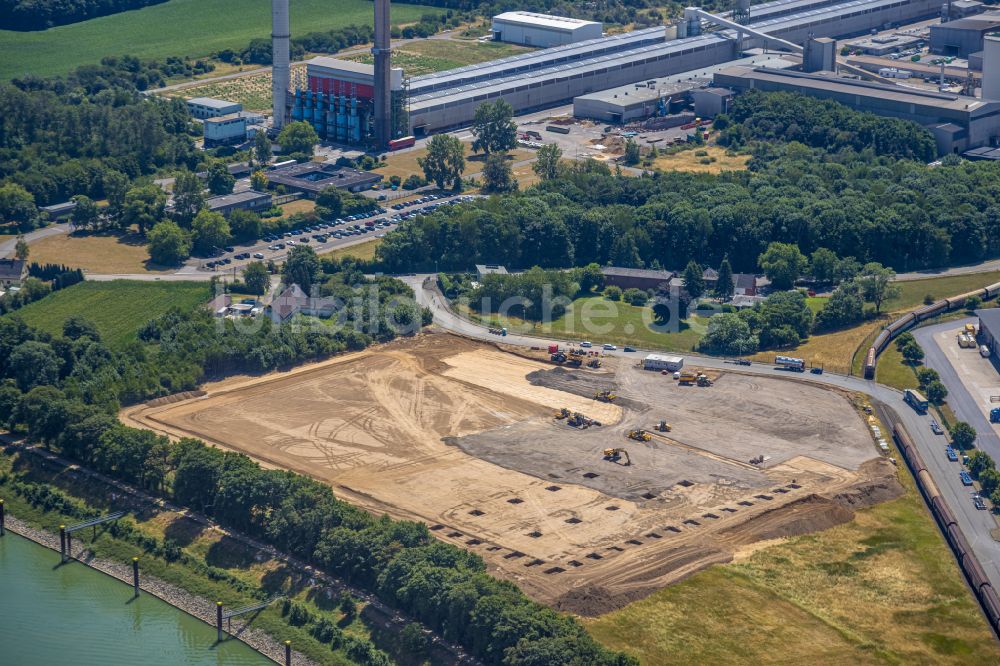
column 613, row 293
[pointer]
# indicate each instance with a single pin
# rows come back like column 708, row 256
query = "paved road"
column 981, row 267
column 977, row 525
column 7, row 247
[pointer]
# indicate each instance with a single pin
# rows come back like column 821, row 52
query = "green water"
column 75, row 615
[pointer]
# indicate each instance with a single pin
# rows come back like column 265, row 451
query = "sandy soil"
column 460, row 435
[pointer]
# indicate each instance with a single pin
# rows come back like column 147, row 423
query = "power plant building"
column 544, row 30
column 964, row 36
column 208, row 107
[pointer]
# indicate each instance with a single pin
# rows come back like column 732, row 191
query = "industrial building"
column 219, row 131
column 881, row 45
column 207, row 107
column 638, row 278
column 311, row 178
column 635, row 102
column 544, row 30
column 247, row 200
column 957, row 122
column 964, row 36
column 989, row 329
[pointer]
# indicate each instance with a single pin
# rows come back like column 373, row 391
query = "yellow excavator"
column 605, row 396
column 663, row 426
column 639, row 435
column 563, row 413
column 615, row 455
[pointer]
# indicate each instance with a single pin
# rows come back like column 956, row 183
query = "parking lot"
column 330, row 235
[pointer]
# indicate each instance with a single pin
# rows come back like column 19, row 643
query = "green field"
column 609, row 321
column 118, row 309
column 436, row 55
column 881, row 589
column 176, row 28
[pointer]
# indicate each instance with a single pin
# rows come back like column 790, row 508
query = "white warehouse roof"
column 665, row 359
column 531, row 19
column 212, row 103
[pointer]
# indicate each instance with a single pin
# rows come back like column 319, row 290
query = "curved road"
column 977, row 525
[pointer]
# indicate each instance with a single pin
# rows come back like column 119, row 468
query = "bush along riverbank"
column 192, row 565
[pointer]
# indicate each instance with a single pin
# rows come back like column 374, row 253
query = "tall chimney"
column 280, row 75
column 383, row 95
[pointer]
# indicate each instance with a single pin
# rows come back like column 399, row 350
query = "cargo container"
column 916, row 400
column 660, row 362
column 790, row 363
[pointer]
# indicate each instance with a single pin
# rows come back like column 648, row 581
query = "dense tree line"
column 42, row 14
column 823, row 124
column 898, row 213
column 63, row 392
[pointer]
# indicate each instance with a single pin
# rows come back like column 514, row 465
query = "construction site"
column 589, row 487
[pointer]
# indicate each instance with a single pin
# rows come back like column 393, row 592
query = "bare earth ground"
column 460, row 435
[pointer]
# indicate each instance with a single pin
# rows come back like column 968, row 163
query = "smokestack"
column 383, row 95
column 280, row 75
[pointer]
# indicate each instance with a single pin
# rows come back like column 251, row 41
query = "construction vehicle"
column 498, row 331
column 605, row 396
column 578, row 420
column 663, row 426
column 639, row 435
column 995, row 415
column 574, row 362
column 686, row 378
column 615, row 455
column 703, row 380
column 558, row 357
column 970, row 329
column 563, row 413
column 594, row 363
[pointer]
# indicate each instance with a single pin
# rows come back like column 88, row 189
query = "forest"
column 64, row 392
column 42, row 14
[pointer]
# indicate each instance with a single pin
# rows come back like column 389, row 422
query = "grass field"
column 882, row 589
column 436, row 55
column 913, row 291
column 253, row 91
column 364, row 251
column 179, row 28
column 405, row 164
column 98, row 253
column 686, row 160
column 118, row 309
column 608, row 321
column 297, row 206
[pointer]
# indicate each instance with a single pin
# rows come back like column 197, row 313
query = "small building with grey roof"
column 964, row 36
column 209, row 107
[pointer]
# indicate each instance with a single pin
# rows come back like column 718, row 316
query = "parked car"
column 629, row 349
column 965, row 477
column 258, row 255
column 936, row 429
column 609, row 347
column 980, row 504
column 586, row 343
column 952, row 455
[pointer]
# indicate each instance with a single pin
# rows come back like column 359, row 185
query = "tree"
column 219, row 180
column 256, row 278
column 258, row 181
column 33, row 364
column 844, row 307
column 245, row 225
column 847, row 269
column 694, row 279
column 963, row 435
column 912, row 353
column 783, row 263
column 17, row 207
column 188, row 197
column 262, row 148
column 78, row 326
column 86, row 214
column 980, row 461
column 632, row 154
column 590, row 278
column 497, row 174
column 169, row 245
column 116, row 186
column 927, row 375
column 613, row 293
column 143, row 207
column 21, row 249
column 546, row 164
column 823, row 263
column 877, row 284
column 636, row 297
column 445, row 160
column 494, row 128
column 728, row 333
column 936, row 392
column 331, row 202
column 298, row 137
column 210, row 231
column 973, row 303
column 302, row 267
column 724, row 287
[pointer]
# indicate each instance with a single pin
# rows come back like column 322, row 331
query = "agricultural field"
column 715, row 160
column 253, row 90
column 365, row 251
column 425, row 56
column 96, row 253
column 192, row 28
column 913, row 291
column 882, row 588
column 118, row 309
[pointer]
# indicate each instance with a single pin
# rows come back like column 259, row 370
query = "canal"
column 75, row 615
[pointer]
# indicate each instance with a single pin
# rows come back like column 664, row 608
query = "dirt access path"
column 460, row 435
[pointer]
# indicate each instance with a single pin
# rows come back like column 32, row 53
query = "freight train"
column 981, row 586
column 916, row 316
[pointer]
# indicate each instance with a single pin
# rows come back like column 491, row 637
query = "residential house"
column 13, row 272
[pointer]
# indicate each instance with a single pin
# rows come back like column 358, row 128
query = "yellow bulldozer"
column 615, row 455
column 562, row 413
column 639, row 435
column 605, row 396
column 663, row 426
